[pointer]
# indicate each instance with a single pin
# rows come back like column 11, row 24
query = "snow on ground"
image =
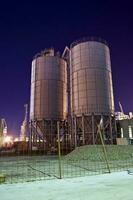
column 114, row 186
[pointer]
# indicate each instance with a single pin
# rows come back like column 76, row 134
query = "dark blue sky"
column 28, row 27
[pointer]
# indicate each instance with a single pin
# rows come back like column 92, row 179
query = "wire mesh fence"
column 82, row 161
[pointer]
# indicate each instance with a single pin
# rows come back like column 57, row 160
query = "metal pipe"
column 93, row 130
column 110, row 125
column 75, row 131
column 83, row 130
column 65, row 50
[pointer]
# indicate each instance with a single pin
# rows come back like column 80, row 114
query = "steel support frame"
column 84, row 129
column 43, row 135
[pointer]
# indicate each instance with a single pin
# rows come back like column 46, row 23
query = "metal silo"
column 48, row 103
column 91, row 89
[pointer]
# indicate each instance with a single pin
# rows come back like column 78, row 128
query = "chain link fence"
column 82, row 161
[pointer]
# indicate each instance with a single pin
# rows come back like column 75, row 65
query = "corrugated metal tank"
column 48, row 87
column 91, row 78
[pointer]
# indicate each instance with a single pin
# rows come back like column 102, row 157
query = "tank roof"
column 88, row 39
column 45, row 52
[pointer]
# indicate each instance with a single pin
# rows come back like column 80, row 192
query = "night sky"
column 28, row 27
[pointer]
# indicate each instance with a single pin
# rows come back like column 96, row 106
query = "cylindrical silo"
column 91, row 84
column 48, row 103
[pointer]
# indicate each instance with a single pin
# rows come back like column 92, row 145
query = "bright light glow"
column 16, row 139
column 8, row 139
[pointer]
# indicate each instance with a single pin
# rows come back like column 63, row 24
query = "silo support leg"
column 83, row 130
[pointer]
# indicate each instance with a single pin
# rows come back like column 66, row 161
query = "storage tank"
column 48, row 87
column 91, row 78
column 91, row 91
column 48, row 102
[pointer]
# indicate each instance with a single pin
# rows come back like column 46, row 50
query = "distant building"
column 125, row 126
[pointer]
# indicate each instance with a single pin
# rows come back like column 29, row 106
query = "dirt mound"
column 95, row 152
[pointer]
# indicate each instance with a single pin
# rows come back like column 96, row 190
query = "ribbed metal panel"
column 91, row 78
column 48, row 88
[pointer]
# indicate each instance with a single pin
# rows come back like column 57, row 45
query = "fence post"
column 104, row 150
column 59, row 149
